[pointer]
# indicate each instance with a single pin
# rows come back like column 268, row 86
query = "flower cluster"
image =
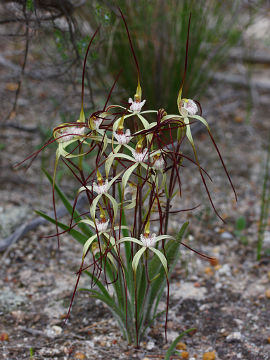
column 142, row 161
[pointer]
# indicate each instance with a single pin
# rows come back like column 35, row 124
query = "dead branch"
column 14, row 107
column 242, row 81
column 31, row 129
column 252, row 57
column 25, row 228
column 67, row 6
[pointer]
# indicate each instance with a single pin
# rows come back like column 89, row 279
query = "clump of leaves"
column 159, row 30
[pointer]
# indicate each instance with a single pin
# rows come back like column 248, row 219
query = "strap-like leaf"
column 68, row 206
column 172, row 347
column 74, row 233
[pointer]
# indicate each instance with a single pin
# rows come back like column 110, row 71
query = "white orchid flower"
column 121, row 137
column 136, row 105
column 147, row 241
column 189, row 106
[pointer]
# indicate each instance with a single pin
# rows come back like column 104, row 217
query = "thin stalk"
column 136, row 309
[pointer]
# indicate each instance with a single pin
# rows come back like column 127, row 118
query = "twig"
column 254, row 57
column 242, row 81
column 13, row 110
column 25, row 228
column 20, row 127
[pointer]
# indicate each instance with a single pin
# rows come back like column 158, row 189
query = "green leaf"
column 99, row 285
column 182, row 231
column 172, row 347
column 85, row 229
column 127, row 245
column 155, row 267
column 30, row 5
column 241, row 223
column 74, row 233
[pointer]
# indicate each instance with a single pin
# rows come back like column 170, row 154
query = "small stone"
column 4, row 337
column 187, row 291
column 170, row 325
column 238, row 119
column 181, row 346
column 10, row 86
column 235, row 336
column 210, row 355
column 53, row 331
column 184, row 355
column 218, row 285
column 68, row 350
column 266, row 239
column 208, row 271
column 57, row 330
column 204, row 307
column 239, row 322
column 79, row 356
column 224, row 332
column 150, row 345
column 225, row 270
column 267, row 293
column 226, row 235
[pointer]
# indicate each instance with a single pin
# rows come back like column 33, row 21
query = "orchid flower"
column 136, row 105
column 147, row 241
column 188, row 107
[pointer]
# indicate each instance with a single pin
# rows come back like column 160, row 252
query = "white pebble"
column 150, row 345
column 225, row 270
column 235, row 336
column 226, row 235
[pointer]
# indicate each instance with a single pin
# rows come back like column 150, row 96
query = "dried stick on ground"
column 25, row 228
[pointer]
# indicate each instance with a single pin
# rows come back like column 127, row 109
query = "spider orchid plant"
column 136, row 175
